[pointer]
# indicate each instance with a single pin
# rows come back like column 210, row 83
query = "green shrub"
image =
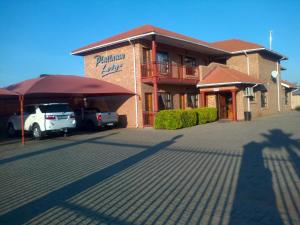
column 176, row 119
column 160, row 118
column 168, row 119
column 189, row 118
column 212, row 114
column 206, row 115
column 173, row 120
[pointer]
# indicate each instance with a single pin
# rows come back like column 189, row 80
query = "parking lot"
column 218, row 173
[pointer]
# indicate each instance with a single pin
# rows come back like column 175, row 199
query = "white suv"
column 41, row 118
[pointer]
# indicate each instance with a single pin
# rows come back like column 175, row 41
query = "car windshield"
column 55, row 108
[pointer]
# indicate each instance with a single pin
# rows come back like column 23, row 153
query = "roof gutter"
column 260, row 49
column 225, row 83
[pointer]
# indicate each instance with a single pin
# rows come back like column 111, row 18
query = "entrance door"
column 148, row 113
column 225, row 106
column 181, row 101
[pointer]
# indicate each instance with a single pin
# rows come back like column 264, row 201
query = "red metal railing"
column 170, row 70
column 148, row 118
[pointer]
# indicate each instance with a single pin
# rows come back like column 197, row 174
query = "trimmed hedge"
column 206, row 115
column 168, row 119
column 176, row 119
column 189, row 118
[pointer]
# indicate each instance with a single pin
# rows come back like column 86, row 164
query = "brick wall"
column 260, row 66
column 123, row 78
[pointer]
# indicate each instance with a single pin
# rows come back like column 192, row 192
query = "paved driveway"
column 219, row 173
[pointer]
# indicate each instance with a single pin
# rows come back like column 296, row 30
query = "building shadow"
column 255, row 200
column 28, row 211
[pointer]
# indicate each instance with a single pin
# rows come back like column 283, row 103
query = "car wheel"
column 11, row 130
column 36, row 132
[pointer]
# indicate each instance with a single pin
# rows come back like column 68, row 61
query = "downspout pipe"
column 248, row 63
column 135, row 84
column 278, row 85
column 248, row 72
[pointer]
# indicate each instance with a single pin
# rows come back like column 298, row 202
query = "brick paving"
column 219, row 173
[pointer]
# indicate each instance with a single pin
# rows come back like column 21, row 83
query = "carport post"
column 21, row 99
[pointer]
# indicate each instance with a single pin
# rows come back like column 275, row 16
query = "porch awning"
column 288, row 85
column 224, row 76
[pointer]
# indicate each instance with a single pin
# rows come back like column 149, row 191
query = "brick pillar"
column 154, row 74
column 234, row 109
column 203, row 100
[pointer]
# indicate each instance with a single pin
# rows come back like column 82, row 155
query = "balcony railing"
column 170, row 70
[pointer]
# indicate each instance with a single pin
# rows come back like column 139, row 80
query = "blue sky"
column 37, row 36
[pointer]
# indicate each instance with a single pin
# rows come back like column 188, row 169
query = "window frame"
column 190, row 103
column 264, row 99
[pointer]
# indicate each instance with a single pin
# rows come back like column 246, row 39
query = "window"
column 146, row 67
column 192, row 100
column 263, row 99
column 286, row 97
column 164, row 101
column 55, row 108
column 253, row 98
column 190, row 65
column 146, row 55
column 162, row 62
column 30, row 109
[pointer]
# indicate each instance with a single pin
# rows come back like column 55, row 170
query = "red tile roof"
column 140, row 31
column 221, row 75
column 234, row 45
column 226, row 46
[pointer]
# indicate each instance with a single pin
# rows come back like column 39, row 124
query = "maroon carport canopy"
column 53, row 85
column 7, row 94
column 63, row 85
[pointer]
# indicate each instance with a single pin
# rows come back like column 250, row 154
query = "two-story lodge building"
column 168, row 70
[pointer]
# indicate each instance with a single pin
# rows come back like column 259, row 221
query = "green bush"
column 176, row 119
column 160, row 118
column 206, row 115
column 213, row 114
column 189, row 118
column 173, row 120
column 168, row 119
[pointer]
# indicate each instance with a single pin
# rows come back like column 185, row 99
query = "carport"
column 55, row 86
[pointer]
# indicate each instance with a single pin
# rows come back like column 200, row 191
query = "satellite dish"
column 274, row 74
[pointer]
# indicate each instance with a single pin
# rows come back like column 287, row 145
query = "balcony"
column 168, row 73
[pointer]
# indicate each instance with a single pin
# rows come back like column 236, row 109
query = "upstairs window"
column 162, row 59
column 190, row 65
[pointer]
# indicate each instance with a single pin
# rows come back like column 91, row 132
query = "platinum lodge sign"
column 109, row 63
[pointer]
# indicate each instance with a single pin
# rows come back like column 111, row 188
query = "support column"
column 21, row 101
column 203, row 99
column 234, row 109
column 154, row 74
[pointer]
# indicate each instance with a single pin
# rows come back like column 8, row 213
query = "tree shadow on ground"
column 255, row 199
